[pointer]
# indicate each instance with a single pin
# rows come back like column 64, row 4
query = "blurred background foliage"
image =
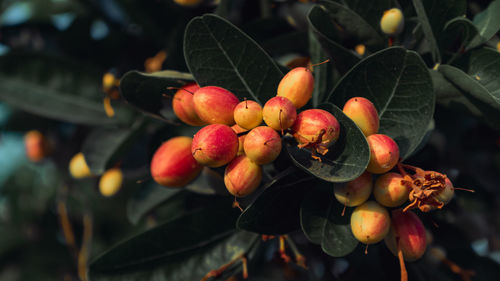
column 64, row 47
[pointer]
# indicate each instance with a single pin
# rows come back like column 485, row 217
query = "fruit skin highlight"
column 364, row 114
column 248, row 114
column 215, row 105
column 242, row 176
column 173, row 164
column 279, row 113
column 215, row 145
column 384, row 153
column 297, row 86
column 389, row 191
column 262, row 145
column 392, row 22
column 355, row 192
column 183, row 105
column 36, row 145
column 111, row 182
column 78, row 167
column 370, row 222
column 408, row 229
column 313, row 124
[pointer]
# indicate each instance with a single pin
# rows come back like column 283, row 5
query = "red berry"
column 390, row 191
column 215, row 145
column 384, row 153
column 215, row 105
column 408, row 230
column 297, row 86
column 242, row 176
column 183, row 105
column 370, row 222
column 363, row 113
column 279, row 113
column 262, row 145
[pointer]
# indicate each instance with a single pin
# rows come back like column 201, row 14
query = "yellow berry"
column 78, row 167
column 110, row 182
column 392, row 22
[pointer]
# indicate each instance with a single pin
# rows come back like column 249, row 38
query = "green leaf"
column 480, row 85
column 145, row 91
column 276, row 210
column 171, row 250
column 427, row 30
column 323, row 29
column 398, row 83
column 150, row 196
column 352, row 24
column 218, row 53
column 54, row 88
column 487, row 23
column 371, row 11
column 346, row 159
column 322, row 223
column 457, row 35
column 104, row 146
column 191, row 266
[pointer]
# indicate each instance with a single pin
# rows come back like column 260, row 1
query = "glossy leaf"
column 276, row 210
column 104, row 146
column 322, row 223
column 147, row 197
column 54, row 88
column 219, row 54
column 346, row 159
column 189, row 266
column 146, row 91
column 152, row 254
column 353, row 24
column 487, row 23
column 323, row 29
column 399, row 85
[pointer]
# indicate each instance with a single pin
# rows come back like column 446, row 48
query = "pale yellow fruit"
column 392, row 22
column 78, row 167
column 111, row 182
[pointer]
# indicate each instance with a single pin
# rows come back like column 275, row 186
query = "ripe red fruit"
column 355, row 192
column 183, row 105
column 241, row 139
column 215, row 105
column 297, row 86
column 390, row 191
column 408, row 230
column 370, row 222
column 279, row 113
column 384, row 153
column 363, row 113
column 215, row 145
column 242, row 176
column 173, row 164
column 262, row 145
column 248, row 114
column 316, row 129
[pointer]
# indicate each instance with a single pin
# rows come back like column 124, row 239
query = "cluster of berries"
column 234, row 135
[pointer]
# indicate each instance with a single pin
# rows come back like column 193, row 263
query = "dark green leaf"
column 219, row 54
column 487, row 23
column 323, row 73
column 458, row 33
column 427, row 29
column 148, row 197
column 345, row 160
column 149, row 253
column 322, row 27
column 352, row 24
column 104, row 146
column 208, row 182
column 276, row 210
column 191, row 266
column 322, row 223
column 371, row 11
column 53, row 88
column 146, row 91
column 480, row 85
column 399, row 85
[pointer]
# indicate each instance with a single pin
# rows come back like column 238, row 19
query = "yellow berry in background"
column 188, row 3
column 360, row 49
column 111, row 182
column 392, row 22
column 78, row 167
